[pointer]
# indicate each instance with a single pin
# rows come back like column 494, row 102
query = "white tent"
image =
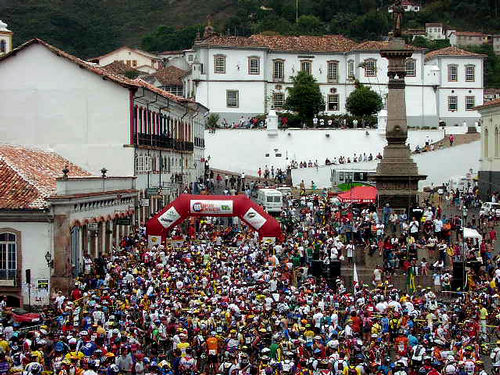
column 472, row 233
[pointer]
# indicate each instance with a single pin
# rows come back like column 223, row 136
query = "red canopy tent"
column 359, row 194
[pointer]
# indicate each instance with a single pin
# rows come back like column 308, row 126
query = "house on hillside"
column 132, row 57
column 98, row 119
column 408, row 6
column 5, row 39
column 468, row 39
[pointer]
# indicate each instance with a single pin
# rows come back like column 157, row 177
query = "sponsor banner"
column 169, row 217
column 210, row 207
column 254, row 219
column 154, row 241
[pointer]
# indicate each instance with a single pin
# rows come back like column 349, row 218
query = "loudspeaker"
column 458, row 276
column 316, row 266
column 28, row 276
column 335, row 269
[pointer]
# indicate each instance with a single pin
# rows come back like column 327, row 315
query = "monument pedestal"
column 397, row 174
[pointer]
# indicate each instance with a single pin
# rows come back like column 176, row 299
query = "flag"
column 355, row 276
column 410, row 280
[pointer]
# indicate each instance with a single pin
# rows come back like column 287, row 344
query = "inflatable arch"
column 187, row 205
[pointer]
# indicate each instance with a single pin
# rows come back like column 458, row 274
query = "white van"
column 490, row 208
column 270, row 199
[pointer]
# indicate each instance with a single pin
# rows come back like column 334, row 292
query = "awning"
column 472, row 233
column 359, row 194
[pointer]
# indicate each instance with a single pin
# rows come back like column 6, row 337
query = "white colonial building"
column 52, row 214
column 98, row 119
column 5, row 39
column 489, row 170
column 246, row 76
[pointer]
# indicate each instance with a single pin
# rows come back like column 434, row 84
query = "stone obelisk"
column 397, row 174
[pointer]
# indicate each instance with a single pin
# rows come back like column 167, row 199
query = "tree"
column 167, row 38
column 305, row 97
column 363, row 102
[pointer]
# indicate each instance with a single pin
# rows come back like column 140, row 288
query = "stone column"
column 100, row 238
column 107, row 237
column 62, row 275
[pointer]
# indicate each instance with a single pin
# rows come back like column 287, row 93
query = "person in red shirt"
column 76, row 293
column 401, row 344
column 357, row 323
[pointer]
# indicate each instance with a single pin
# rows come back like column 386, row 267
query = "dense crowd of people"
column 220, row 301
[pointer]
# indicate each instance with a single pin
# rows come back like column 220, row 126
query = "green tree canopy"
column 167, row 38
column 305, row 97
column 364, row 102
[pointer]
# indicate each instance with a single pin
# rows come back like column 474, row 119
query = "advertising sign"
column 210, row 207
column 169, row 217
column 254, row 219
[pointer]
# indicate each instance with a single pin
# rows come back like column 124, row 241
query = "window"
column 3, row 46
column 129, row 62
column 470, row 73
column 175, row 89
column 306, row 66
column 350, row 69
column 452, row 73
column 470, row 102
column 411, row 68
column 134, row 63
column 370, row 68
column 452, row 103
column 139, row 163
column 190, row 58
column 8, row 254
column 232, row 98
column 333, row 71
column 144, row 163
column 333, row 102
column 220, row 64
column 279, row 70
column 253, row 65
column 278, row 100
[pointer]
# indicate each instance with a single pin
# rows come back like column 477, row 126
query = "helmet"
column 35, row 368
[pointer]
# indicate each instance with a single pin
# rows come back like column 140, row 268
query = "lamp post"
column 49, row 260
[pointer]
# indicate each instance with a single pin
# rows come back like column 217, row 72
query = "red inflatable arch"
column 187, row 205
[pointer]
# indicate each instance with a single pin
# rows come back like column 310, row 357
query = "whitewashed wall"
column 36, row 240
column 50, row 102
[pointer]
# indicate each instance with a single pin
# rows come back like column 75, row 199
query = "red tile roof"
column 119, row 67
column 28, row 176
column 491, row 103
column 303, row 43
column 451, row 51
column 470, row 33
column 116, row 78
column 171, row 75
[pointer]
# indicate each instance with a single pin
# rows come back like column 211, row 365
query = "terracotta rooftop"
column 119, row 67
column 28, row 176
column 491, row 103
column 326, row 43
column 451, row 51
column 171, row 75
column 119, row 79
column 470, row 33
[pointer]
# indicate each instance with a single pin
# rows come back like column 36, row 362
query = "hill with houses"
column 90, row 28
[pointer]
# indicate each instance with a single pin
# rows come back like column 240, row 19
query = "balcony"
column 161, row 141
column 183, row 146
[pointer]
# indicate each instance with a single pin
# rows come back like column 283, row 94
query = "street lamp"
column 49, row 260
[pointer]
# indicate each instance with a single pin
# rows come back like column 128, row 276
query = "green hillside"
column 91, row 27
